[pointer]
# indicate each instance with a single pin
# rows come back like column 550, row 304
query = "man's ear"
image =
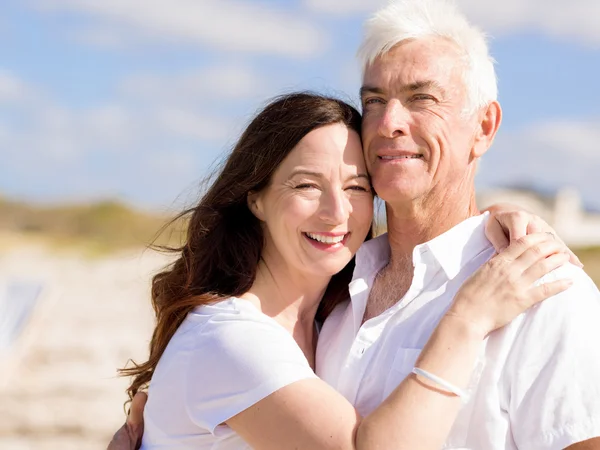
column 255, row 204
column 487, row 127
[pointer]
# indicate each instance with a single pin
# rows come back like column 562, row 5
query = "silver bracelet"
column 464, row 396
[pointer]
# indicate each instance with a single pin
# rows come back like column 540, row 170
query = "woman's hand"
column 504, row 287
column 129, row 436
column 508, row 223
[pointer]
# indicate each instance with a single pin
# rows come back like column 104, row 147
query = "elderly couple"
column 282, row 325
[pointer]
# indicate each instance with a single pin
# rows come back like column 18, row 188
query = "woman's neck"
column 291, row 300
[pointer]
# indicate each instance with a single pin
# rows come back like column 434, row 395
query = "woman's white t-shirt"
column 223, row 359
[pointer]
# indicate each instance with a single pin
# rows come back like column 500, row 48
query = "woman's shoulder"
column 229, row 315
column 232, row 328
column 232, row 306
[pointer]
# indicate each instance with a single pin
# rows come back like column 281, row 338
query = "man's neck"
column 417, row 222
column 409, row 225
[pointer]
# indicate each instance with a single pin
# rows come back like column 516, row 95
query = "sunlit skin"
column 321, row 190
column 420, row 145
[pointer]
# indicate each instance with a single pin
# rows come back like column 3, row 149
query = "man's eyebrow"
column 359, row 175
column 370, row 89
column 425, row 84
column 416, row 86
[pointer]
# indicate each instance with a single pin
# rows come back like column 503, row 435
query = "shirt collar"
column 373, row 254
column 457, row 246
column 451, row 250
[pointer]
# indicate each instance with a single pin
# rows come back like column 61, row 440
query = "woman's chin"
column 329, row 269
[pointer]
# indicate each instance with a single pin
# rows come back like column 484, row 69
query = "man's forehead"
column 414, row 62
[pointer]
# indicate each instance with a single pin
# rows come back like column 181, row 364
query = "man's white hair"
column 403, row 20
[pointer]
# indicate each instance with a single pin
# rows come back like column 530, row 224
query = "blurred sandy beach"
column 58, row 384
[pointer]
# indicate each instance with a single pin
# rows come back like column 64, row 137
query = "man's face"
column 417, row 139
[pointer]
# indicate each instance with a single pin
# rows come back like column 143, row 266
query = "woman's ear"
column 254, row 200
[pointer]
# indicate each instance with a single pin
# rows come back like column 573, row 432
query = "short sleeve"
column 552, row 374
column 238, row 360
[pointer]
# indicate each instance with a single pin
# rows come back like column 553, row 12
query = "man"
column 430, row 112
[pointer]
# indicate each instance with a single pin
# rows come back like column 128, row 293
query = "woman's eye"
column 305, row 186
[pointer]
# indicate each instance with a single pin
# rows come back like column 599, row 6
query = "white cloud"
column 12, row 89
column 224, row 81
column 190, row 124
column 549, row 155
column 568, row 19
column 579, row 140
column 101, row 37
column 229, row 25
column 343, row 7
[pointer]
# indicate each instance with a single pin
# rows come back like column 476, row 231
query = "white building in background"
column 565, row 212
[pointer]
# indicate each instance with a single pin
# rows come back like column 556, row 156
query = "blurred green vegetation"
column 98, row 228
column 109, row 226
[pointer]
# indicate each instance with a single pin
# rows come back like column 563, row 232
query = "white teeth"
column 400, row 157
column 326, row 239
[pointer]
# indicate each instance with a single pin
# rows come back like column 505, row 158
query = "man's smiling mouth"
column 391, row 158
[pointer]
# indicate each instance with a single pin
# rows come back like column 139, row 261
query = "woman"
column 268, row 255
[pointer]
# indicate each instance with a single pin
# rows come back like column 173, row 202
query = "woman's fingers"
column 495, row 234
column 540, row 250
column 547, row 290
column 506, row 227
column 544, row 266
column 573, row 259
column 527, row 243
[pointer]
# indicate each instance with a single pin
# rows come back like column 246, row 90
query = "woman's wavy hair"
column 224, row 240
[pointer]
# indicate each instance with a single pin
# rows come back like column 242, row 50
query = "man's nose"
column 394, row 120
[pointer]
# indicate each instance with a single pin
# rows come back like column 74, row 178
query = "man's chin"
column 399, row 193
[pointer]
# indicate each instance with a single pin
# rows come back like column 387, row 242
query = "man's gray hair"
column 403, row 20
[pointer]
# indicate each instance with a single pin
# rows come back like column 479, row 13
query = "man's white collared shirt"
column 536, row 384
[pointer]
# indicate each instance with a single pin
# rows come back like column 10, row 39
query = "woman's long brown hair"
column 224, row 239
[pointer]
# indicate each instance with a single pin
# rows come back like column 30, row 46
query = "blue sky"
column 135, row 100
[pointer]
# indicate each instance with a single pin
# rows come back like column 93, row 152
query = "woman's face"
column 318, row 208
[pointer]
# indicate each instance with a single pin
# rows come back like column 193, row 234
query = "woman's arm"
column 418, row 414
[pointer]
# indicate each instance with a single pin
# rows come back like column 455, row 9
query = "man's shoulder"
column 566, row 320
column 582, row 297
column 549, row 378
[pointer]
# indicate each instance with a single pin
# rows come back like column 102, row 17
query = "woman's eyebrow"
column 306, row 172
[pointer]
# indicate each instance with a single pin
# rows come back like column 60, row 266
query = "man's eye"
column 358, row 188
column 372, row 100
column 423, row 97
